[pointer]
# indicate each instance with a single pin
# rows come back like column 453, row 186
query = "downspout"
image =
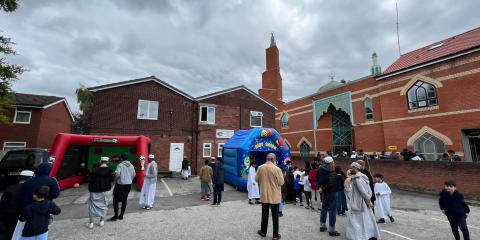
column 194, row 148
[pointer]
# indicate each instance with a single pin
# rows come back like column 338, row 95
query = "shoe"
column 90, row 225
column 301, row 204
column 257, row 202
column 277, row 237
column 112, row 219
column 381, row 220
column 207, row 199
column 261, row 233
column 101, row 223
column 280, row 214
column 213, row 204
column 218, row 204
column 334, row 234
column 148, row 208
column 391, row 219
column 307, row 207
column 120, row 218
column 250, row 202
column 144, row 207
column 323, row 229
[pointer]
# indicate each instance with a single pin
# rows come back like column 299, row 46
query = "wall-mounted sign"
column 223, row 133
column 392, row 148
column 105, row 140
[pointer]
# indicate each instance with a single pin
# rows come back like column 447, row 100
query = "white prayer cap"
column 104, row 159
column 27, row 173
column 151, row 156
column 328, row 159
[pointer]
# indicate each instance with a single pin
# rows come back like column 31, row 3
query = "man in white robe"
column 252, row 185
column 382, row 191
column 149, row 188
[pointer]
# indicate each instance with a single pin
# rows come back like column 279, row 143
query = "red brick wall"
column 14, row 132
column 55, row 119
column 232, row 112
column 423, row 176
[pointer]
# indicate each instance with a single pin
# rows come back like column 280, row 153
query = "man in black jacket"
column 454, row 207
column 10, row 206
column 218, row 181
column 327, row 184
column 99, row 186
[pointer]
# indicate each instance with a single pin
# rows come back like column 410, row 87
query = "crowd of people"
column 26, row 208
column 405, row 154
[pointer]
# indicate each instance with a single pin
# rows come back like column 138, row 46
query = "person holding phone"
column 361, row 223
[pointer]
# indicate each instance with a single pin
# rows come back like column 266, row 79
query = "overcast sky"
column 204, row 46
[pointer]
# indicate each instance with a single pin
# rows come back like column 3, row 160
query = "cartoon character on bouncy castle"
column 246, row 163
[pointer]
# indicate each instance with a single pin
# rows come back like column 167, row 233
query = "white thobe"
column 383, row 200
column 147, row 196
column 252, row 185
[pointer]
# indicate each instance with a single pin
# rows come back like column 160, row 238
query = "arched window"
column 430, row 146
column 421, row 95
column 368, row 109
column 284, row 120
column 304, row 149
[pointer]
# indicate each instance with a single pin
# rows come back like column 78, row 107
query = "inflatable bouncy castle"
column 245, row 145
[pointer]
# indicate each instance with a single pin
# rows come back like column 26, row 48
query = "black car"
column 14, row 161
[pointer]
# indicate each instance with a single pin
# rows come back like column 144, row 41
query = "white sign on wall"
column 223, row 133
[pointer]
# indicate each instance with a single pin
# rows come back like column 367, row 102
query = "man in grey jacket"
column 123, row 183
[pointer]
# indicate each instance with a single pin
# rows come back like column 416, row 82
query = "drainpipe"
column 194, row 147
column 314, row 123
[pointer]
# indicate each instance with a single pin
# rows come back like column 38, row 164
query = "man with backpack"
column 327, row 184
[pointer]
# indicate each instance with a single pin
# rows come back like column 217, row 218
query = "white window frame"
column 258, row 114
column 284, row 114
column 219, row 150
column 148, row 110
column 5, row 145
column 205, row 147
column 22, row 111
column 200, row 115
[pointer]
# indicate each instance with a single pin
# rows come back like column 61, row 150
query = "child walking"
column 382, row 191
column 297, row 186
column 37, row 215
column 454, row 207
column 307, row 190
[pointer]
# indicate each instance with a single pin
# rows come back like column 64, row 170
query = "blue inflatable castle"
column 245, row 145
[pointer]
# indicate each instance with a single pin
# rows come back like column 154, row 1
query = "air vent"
column 436, row 45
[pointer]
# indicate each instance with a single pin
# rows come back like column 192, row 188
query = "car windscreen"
column 23, row 159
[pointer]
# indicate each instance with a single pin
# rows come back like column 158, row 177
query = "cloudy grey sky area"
column 210, row 45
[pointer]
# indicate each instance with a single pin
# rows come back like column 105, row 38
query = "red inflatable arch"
column 63, row 140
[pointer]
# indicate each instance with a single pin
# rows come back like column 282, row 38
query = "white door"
column 176, row 157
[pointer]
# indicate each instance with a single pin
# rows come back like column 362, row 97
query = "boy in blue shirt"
column 298, row 187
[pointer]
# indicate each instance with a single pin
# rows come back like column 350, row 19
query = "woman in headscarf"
column 361, row 224
column 252, row 185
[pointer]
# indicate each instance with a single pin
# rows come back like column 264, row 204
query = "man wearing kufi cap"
column 147, row 195
column 99, row 186
column 10, row 205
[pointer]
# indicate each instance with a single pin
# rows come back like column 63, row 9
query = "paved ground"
column 179, row 214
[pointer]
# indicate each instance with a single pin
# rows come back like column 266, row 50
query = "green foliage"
column 8, row 5
column 84, row 98
column 8, row 72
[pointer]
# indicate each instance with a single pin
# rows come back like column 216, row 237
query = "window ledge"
column 206, row 124
column 423, row 109
column 369, row 121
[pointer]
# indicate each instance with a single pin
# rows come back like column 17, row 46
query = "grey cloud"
column 204, row 46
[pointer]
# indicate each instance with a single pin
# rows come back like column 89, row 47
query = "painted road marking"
column 166, row 186
column 470, row 226
column 396, row 234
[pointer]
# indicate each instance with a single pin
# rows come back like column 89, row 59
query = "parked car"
column 14, row 161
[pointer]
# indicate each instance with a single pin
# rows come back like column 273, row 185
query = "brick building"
column 233, row 109
column 425, row 101
column 177, row 124
column 35, row 121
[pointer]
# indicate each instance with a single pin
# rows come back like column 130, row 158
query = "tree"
column 81, row 124
column 8, row 72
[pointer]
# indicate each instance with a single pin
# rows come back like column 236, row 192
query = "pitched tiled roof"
column 234, row 89
column 140, row 80
column 456, row 44
column 22, row 99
